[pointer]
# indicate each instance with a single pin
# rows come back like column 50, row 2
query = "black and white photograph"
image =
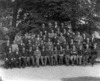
column 49, row 40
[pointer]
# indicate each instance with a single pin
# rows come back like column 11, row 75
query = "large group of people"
column 52, row 45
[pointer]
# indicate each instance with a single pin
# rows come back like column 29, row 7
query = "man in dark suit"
column 94, row 52
column 86, row 55
column 74, row 53
column 67, row 54
column 55, row 56
column 37, row 54
column 61, row 55
column 80, row 54
column 24, row 60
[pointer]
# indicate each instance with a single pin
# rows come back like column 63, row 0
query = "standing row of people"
column 52, row 46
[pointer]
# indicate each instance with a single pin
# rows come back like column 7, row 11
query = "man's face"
column 88, row 39
column 52, row 31
column 78, row 33
column 73, row 47
column 95, row 45
column 9, row 49
column 48, row 40
column 43, row 25
column 71, row 40
column 87, row 46
column 67, row 47
column 80, row 47
column 29, row 41
column 23, row 49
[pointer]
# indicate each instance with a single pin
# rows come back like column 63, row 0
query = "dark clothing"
column 43, row 53
column 67, row 52
column 74, row 52
column 81, row 52
column 88, row 51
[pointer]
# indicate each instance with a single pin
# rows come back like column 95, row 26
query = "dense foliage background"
column 25, row 15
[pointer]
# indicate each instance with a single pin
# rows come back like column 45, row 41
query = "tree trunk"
column 15, row 10
column 73, row 24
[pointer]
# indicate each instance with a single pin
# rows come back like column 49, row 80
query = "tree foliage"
column 31, row 13
column 35, row 12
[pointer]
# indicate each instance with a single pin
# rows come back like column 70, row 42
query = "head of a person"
column 61, row 48
column 38, row 35
column 31, row 48
column 14, row 42
column 93, row 35
column 95, row 45
column 64, row 30
column 50, row 24
column 37, row 48
column 79, row 41
column 78, row 33
column 23, row 48
column 49, row 40
column 61, row 34
column 67, row 47
column 81, row 47
column 41, row 33
column 8, row 42
column 43, row 48
column 56, row 23
column 45, row 32
column 52, row 31
column 43, row 25
column 72, row 40
column 10, row 49
column 62, row 25
column 74, row 47
column 84, row 35
column 29, row 41
column 21, row 41
column 88, row 39
column 58, row 29
column 58, row 41
column 44, row 36
column 87, row 46
column 55, row 48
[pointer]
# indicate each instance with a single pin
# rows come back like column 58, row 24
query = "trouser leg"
column 28, row 61
column 79, row 60
column 61, row 59
column 37, row 61
column 73, row 59
column 45, row 60
column 6, row 64
column 93, row 57
column 20, row 62
column 51, row 60
column 42, row 60
column 86, row 59
column 55, row 59
column 33, row 61
column 67, row 59
column 12, row 63
column 24, row 61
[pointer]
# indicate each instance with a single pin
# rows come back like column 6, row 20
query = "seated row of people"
column 51, row 55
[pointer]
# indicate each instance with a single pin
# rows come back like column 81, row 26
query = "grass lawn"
column 81, row 79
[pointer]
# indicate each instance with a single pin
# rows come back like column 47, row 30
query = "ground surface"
column 50, row 73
